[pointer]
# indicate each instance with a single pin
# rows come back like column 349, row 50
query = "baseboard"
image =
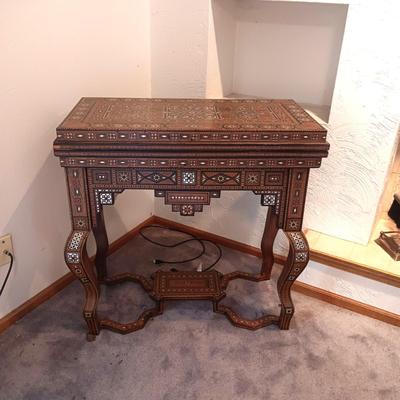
column 35, row 301
column 326, row 259
column 64, row 281
column 347, row 303
column 354, row 268
column 223, row 241
column 114, row 246
column 309, row 290
column 312, row 291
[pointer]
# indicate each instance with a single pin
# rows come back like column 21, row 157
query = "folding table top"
column 131, row 120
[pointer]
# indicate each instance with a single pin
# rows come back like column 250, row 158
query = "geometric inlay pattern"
column 187, row 202
column 80, row 222
column 72, row 257
column 156, row 177
column 175, row 285
column 253, row 178
column 300, row 257
column 187, row 210
column 191, row 112
column 187, row 197
column 106, row 198
column 274, row 178
column 268, row 199
column 98, row 119
column 299, row 243
column 151, row 162
column 75, row 241
column 102, row 176
column 124, row 177
column 188, row 177
column 294, row 224
column 220, row 178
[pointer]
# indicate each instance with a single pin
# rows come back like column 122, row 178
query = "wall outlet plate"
column 5, row 244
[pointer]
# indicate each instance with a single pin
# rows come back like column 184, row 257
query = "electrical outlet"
column 5, row 244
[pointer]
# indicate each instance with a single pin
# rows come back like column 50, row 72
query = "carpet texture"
column 191, row 353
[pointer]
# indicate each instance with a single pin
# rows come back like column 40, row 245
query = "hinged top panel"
column 129, row 120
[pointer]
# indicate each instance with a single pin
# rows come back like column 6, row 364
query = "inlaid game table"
column 187, row 151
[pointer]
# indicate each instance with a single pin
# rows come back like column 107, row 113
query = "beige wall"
column 52, row 53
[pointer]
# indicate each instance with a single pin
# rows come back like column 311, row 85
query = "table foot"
column 90, row 337
column 285, row 318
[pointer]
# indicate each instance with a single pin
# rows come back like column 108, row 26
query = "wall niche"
column 277, row 49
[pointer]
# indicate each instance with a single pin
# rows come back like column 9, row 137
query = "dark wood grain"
column 102, row 246
column 270, row 231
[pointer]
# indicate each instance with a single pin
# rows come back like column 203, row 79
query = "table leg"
column 270, row 231
column 80, row 265
column 102, row 245
column 296, row 262
column 75, row 249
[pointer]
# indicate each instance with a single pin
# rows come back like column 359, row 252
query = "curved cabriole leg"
column 270, row 231
column 267, row 242
column 294, row 265
column 79, row 263
column 100, row 235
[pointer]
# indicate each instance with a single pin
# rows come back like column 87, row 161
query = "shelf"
column 370, row 260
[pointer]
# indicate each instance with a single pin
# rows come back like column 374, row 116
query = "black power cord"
column 6, row 252
column 192, row 238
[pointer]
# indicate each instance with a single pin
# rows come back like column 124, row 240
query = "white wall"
column 178, row 48
column 364, row 119
column 344, row 193
column 291, row 49
column 52, row 53
column 286, row 50
column 221, row 47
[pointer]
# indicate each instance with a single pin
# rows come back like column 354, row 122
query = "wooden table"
column 187, row 151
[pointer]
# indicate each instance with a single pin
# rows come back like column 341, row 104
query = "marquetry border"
column 103, row 160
